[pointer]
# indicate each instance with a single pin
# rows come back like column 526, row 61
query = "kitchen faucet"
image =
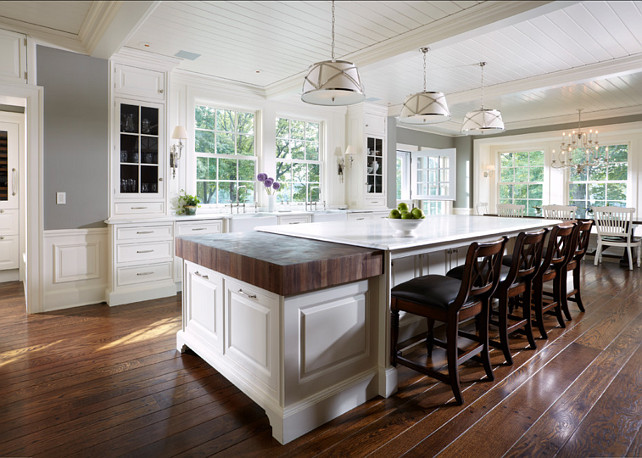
column 310, row 194
column 238, row 205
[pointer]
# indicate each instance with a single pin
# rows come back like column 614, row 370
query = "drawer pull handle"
column 251, row 296
column 144, row 232
column 198, row 228
column 138, row 208
column 295, row 222
column 198, row 274
column 360, row 219
column 1, row 211
column 1, row 238
column 140, row 274
column 144, row 251
column 14, row 185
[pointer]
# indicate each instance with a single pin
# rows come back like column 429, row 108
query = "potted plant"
column 187, row 203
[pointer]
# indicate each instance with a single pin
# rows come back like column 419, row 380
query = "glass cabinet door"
column 374, row 164
column 139, row 149
column 4, row 167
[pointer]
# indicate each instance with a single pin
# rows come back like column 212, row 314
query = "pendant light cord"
column 333, row 30
column 482, row 65
column 425, row 50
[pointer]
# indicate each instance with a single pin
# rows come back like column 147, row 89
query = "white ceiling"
column 544, row 59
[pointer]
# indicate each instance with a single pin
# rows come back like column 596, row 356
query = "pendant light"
column 485, row 119
column 332, row 82
column 425, row 107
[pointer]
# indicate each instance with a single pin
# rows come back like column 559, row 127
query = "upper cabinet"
column 137, row 82
column 368, row 166
column 13, row 55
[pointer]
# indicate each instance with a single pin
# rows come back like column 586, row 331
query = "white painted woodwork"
column 143, row 274
column 138, row 208
column 9, row 249
column 294, row 219
column 9, row 221
column 203, row 305
column 129, row 81
column 143, row 252
column 13, row 55
column 163, row 232
column 199, row 227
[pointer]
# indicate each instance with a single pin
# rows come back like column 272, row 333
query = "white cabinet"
column 366, row 133
column 294, row 219
column 9, row 196
column 138, row 82
column 367, row 216
column 13, row 55
column 194, row 227
column 203, row 305
column 142, row 260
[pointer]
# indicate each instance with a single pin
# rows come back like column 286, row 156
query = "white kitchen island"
column 297, row 316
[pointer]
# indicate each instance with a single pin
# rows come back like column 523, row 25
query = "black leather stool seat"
column 431, row 290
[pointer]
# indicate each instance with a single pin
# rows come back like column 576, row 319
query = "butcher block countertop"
column 281, row 264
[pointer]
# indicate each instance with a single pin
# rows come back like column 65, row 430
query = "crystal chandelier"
column 333, row 82
column 578, row 150
column 485, row 119
column 425, row 107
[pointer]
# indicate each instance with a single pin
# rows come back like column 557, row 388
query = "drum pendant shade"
column 333, row 82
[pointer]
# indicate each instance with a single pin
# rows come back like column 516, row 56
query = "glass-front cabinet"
column 140, row 164
column 374, row 166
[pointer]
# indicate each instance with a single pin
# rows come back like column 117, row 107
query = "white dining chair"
column 513, row 210
column 614, row 227
column 566, row 212
column 481, row 208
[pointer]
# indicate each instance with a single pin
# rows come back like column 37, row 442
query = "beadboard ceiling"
column 544, row 59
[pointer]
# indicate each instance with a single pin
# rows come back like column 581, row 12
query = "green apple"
column 402, row 207
column 394, row 214
column 406, row 215
column 417, row 213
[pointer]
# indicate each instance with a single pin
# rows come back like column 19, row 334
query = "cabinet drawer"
column 295, row 219
column 138, row 208
column 374, row 124
column 143, row 274
column 199, row 227
column 139, row 82
column 144, row 251
column 144, row 233
column 9, row 221
column 9, row 248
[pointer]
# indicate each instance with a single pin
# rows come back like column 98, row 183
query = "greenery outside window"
column 298, row 160
column 225, row 155
column 521, row 179
column 603, row 185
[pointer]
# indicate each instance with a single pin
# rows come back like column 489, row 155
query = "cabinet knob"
column 160, row 91
column 160, row 179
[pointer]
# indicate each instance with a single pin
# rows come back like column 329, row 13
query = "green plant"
column 186, row 200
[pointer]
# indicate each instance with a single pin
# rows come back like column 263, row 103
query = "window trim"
column 451, row 153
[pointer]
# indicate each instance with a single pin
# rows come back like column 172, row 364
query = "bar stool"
column 574, row 265
column 515, row 287
column 442, row 298
column 559, row 251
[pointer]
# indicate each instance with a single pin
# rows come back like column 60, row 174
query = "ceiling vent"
column 187, row 55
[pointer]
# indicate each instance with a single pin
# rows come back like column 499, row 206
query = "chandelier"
column 485, row 119
column 333, row 82
column 425, row 107
column 578, row 150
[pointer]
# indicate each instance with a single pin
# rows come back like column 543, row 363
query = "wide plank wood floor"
column 100, row 381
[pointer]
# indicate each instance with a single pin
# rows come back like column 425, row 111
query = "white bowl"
column 404, row 227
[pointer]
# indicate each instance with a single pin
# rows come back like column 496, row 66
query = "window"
column 298, row 160
column 521, row 179
column 403, row 175
column 433, row 174
column 602, row 185
column 225, row 159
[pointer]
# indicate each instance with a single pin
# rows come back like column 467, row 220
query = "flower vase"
column 271, row 202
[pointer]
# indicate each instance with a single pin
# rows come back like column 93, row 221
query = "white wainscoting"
column 75, row 265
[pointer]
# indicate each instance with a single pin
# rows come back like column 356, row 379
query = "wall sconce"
column 488, row 170
column 341, row 164
column 176, row 150
column 350, row 152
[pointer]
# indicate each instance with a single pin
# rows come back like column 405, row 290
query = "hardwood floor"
column 100, row 381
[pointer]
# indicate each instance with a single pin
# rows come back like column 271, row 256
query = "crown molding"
column 98, row 18
column 181, row 76
column 44, row 35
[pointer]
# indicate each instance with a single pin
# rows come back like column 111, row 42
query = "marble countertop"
column 434, row 230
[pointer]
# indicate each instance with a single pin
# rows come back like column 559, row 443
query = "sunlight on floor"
column 157, row 329
column 11, row 356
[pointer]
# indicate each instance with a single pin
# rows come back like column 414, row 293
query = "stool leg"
column 576, row 287
column 539, row 315
column 526, row 314
column 430, row 335
column 452, row 330
column 564, row 294
column 557, row 297
column 483, row 337
column 394, row 332
column 503, row 327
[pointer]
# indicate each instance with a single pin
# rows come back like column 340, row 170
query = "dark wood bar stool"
column 515, row 288
column 559, row 251
column 574, row 266
column 452, row 301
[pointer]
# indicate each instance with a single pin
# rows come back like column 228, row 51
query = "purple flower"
column 268, row 182
column 262, row 176
column 276, row 186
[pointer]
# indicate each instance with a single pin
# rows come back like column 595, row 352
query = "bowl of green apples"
column 405, row 220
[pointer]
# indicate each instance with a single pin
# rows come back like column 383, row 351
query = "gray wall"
column 76, row 138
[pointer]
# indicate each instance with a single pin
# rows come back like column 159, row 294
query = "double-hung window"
column 604, row 184
column 298, row 160
column 521, row 179
column 225, row 155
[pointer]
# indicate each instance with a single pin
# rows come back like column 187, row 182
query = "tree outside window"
column 521, row 179
column 605, row 184
column 225, row 155
column 298, row 160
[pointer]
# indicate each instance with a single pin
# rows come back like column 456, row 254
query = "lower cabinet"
column 203, row 297
column 194, row 227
